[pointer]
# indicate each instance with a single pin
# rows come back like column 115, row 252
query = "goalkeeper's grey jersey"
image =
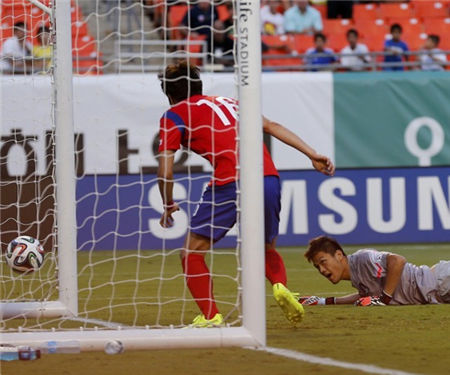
column 418, row 284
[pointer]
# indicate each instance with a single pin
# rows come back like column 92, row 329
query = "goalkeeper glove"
column 314, row 300
column 369, row 301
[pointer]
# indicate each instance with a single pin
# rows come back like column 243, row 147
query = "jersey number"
column 227, row 103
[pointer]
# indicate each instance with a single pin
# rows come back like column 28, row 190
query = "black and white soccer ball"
column 25, row 254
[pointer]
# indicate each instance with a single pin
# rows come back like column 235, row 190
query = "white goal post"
column 252, row 332
column 65, row 175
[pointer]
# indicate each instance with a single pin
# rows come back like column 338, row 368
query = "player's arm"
column 165, row 183
column 319, row 162
column 314, row 300
column 394, row 268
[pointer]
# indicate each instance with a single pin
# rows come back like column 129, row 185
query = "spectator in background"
column 395, row 48
column 272, row 20
column 200, row 18
column 44, row 51
column 221, row 46
column 433, row 59
column 302, row 19
column 16, row 51
column 340, row 8
column 319, row 54
column 354, row 62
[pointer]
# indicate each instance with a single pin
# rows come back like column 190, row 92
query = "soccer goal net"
column 80, row 113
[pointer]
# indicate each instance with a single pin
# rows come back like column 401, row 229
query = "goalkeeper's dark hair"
column 181, row 80
column 322, row 243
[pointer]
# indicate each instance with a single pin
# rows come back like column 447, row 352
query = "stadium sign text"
column 355, row 206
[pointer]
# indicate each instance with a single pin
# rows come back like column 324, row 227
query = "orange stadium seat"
column 336, row 26
column 371, row 27
column 76, row 13
column 79, row 29
column 440, row 26
column 430, row 9
column 196, row 48
column 409, row 25
column 337, row 41
column 444, row 44
column 6, row 31
column 223, row 12
column 402, row 10
column 280, row 40
column 176, row 14
column 374, row 42
column 84, row 46
column 303, row 42
column 322, row 8
column 365, row 12
column 282, row 61
column 415, row 41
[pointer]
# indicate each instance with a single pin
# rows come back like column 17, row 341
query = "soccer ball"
column 25, row 254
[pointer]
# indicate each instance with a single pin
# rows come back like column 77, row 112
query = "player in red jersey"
column 207, row 126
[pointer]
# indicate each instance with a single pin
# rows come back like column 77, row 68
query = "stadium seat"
column 176, row 14
column 409, row 25
column 371, row 27
column 223, row 12
column 322, row 8
column 374, row 42
column 365, row 12
column 303, row 42
column 281, row 61
column 6, row 31
column 76, row 13
column 79, row 29
column 84, row 46
column 402, row 10
column 431, row 9
column 439, row 26
column 415, row 41
column 280, row 40
column 336, row 26
column 337, row 41
column 195, row 48
column 444, row 44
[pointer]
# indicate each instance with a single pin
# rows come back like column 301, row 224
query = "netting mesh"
column 129, row 271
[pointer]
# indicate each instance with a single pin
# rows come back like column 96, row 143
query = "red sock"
column 275, row 270
column 200, row 284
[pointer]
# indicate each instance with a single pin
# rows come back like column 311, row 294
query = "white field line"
column 292, row 354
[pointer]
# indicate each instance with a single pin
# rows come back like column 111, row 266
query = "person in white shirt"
column 271, row 19
column 15, row 51
column 302, row 19
column 432, row 61
column 355, row 62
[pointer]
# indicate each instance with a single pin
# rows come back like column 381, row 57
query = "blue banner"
column 357, row 206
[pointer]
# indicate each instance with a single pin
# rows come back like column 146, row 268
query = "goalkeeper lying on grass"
column 381, row 278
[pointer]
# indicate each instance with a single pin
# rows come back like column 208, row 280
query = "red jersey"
column 207, row 126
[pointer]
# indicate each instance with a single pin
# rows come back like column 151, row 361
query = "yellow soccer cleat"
column 201, row 322
column 289, row 303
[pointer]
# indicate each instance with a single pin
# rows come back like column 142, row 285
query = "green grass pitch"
column 415, row 339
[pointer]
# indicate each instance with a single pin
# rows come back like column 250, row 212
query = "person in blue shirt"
column 395, row 48
column 200, row 18
column 320, row 55
column 302, row 19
